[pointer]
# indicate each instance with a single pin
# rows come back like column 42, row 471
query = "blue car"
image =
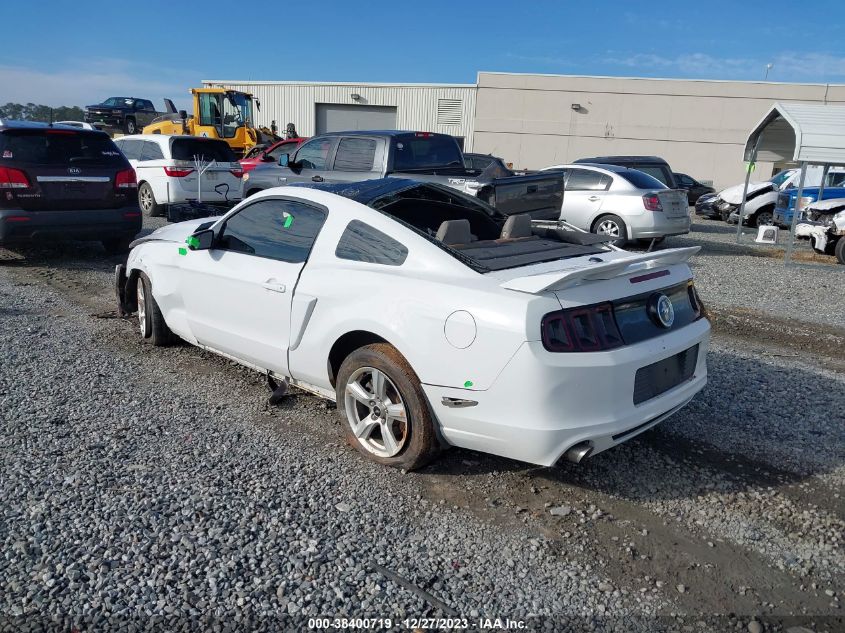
column 785, row 206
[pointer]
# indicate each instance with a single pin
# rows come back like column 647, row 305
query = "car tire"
column 379, row 374
column 147, row 201
column 150, row 319
column 130, row 126
column 763, row 218
column 117, row 245
column 613, row 225
column 839, row 250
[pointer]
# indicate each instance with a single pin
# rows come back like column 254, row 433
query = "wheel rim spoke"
column 355, row 390
column 391, row 446
column 396, row 412
column 365, row 428
column 379, row 384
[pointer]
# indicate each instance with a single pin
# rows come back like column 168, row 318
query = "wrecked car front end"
column 824, row 225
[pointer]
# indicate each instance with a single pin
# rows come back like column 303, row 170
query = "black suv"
column 652, row 165
column 127, row 114
column 59, row 182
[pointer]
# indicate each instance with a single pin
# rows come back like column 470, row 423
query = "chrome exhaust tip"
column 579, row 452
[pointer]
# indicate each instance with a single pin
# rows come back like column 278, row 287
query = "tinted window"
column 145, row 105
column 641, row 180
column 59, row 147
column 423, row 150
column 131, row 149
column 185, row 148
column 362, row 243
column 584, row 180
column 655, row 171
column 314, row 154
column 355, row 154
column 275, row 229
column 151, row 151
column 480, row 162
column 684, row 180
column 284, row 148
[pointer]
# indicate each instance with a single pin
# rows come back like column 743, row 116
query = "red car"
column 271, row 154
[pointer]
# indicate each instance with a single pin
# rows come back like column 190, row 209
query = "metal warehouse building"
column 699, row 126
column 315, row 108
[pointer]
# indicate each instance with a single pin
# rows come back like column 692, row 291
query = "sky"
column 63, row 53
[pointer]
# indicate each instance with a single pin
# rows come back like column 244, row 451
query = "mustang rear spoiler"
column 588, row 269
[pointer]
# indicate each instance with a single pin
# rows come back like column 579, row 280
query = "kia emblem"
column 661, row 310
column 74, row 170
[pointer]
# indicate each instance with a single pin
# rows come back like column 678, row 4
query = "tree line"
column 35, row 112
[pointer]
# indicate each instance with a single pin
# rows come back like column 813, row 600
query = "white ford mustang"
column 431, row 319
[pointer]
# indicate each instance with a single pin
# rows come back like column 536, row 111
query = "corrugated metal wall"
column 416, row 105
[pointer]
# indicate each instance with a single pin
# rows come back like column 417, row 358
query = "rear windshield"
column 423, row 150
column 58, row 147
column 187, row 148
column 641, row 180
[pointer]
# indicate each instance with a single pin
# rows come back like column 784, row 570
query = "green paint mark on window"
column 183, row 251
column 288, row 220
column 468, row 384
column 192, row 242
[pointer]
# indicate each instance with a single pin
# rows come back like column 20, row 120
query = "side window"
column 314, row 154
column 284, row 148
column 151, row 151
column 655, row 171
column 275, row 229
column 355, row 154
column 584, row 180
column 209, row 110
column 362, row 243
column 131, row 149
column 147, row 105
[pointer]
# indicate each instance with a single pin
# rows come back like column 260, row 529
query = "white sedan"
column 431, row 319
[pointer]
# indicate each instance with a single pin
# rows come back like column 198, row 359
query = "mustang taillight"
column 651, row 202
column 175, row 172
column 125, row 179
column 586, row 329
column 13, row 179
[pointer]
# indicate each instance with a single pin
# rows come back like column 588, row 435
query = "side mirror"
column 201, row 240
column 183, row 114
column 284, row 160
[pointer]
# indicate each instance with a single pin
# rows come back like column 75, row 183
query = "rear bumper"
column 647, row 226
column 84, row 224
column 542, row 404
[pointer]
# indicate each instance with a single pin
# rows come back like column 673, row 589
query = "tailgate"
column 538, row 195
column 674, row 202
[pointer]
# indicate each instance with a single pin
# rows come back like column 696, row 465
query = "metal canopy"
column 800, row 132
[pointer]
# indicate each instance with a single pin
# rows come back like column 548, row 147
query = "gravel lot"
column 143, row 483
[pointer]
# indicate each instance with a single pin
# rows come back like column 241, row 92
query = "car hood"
column 177, row 232
column 830, row 205
column 733, row 195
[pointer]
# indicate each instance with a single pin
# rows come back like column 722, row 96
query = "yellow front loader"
column 218, row 113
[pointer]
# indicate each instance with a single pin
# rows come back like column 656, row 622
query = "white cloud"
column 94, row 80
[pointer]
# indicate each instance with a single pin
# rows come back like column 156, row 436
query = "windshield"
column 117, row 101
column 423, row 150
column 777, row 179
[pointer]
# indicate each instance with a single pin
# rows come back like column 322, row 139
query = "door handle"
column 593, row 198
column 273, row 286
column 317, row 178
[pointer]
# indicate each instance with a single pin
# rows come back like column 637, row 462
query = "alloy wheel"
column 142, row 308
column 146, row 198
column 608, row 227
column 375, row 412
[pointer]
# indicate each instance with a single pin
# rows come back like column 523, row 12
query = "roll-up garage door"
column 337, row 117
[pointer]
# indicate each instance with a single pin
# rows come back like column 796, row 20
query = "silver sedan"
column 624, row 203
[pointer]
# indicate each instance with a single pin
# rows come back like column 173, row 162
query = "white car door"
column 238, row 293
column 583, row 195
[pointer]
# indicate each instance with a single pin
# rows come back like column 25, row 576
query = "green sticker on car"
column 288, row 219
column 183, row 251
